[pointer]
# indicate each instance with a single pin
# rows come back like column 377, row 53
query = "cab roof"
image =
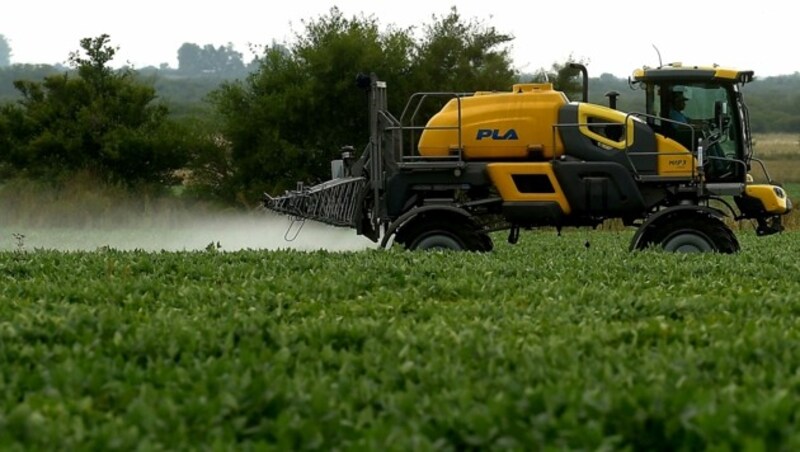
column 678, row 72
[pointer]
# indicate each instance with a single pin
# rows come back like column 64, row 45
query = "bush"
column 95, row 119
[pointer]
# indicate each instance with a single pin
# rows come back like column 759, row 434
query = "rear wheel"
column 693, row 234
column 444, row 235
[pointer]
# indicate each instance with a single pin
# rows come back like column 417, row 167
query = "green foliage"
column 291, row 116
column 545, row 345
column 5, row 52
column 462, row 56
column 95, row 118
column 254, row 127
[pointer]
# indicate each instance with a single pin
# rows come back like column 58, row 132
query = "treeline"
column 228, row 131
column 774, row 102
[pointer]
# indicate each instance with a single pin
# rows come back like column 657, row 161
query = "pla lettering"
column 495, row 134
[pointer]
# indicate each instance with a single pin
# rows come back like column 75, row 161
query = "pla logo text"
column 496, row 134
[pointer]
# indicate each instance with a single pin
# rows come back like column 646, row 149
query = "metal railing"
column 410, row 133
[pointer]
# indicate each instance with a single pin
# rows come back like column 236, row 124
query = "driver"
column 678, row 105
column 677, row 130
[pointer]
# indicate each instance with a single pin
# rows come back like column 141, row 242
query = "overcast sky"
column 613, row 36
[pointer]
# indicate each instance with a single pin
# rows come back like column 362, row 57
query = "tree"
column 190, row 60
column 5, row 52
column 291, row 116
column 92, row 118
column 462, row 56
column 288, row 118
column 222, row 60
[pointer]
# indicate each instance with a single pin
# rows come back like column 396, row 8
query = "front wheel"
column 694, row 234
column 688, row 241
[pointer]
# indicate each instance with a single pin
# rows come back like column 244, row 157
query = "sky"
column 613, row 37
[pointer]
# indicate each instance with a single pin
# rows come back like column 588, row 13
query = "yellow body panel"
column 607, row 115
column 674, row 160
column 498, row 125
column 772, row 197
column 501, row 175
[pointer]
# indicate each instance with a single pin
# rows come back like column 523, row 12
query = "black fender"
column 659, row 216
column 415, row 212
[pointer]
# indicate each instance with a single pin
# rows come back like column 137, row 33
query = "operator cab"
column 702, row 107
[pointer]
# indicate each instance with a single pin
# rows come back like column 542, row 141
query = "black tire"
column 437, row 240
column 443, row 235
column 687, row 241
column 692, row 234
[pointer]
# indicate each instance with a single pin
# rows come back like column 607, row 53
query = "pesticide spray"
column 191, row 232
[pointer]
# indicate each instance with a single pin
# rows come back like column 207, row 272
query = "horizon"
column 116, row 63
column 608, row 40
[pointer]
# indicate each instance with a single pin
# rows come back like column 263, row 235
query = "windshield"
column 706, row 107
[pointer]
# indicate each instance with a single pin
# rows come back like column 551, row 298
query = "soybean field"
column 560, row 342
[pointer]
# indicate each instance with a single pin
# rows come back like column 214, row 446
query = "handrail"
column 411, row 112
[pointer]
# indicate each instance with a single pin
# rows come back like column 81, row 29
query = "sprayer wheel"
column 443, row 235
column 695, row 234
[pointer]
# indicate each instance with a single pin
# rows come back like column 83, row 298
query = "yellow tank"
column 498, row 125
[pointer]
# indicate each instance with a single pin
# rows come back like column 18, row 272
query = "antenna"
column 659, row 56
